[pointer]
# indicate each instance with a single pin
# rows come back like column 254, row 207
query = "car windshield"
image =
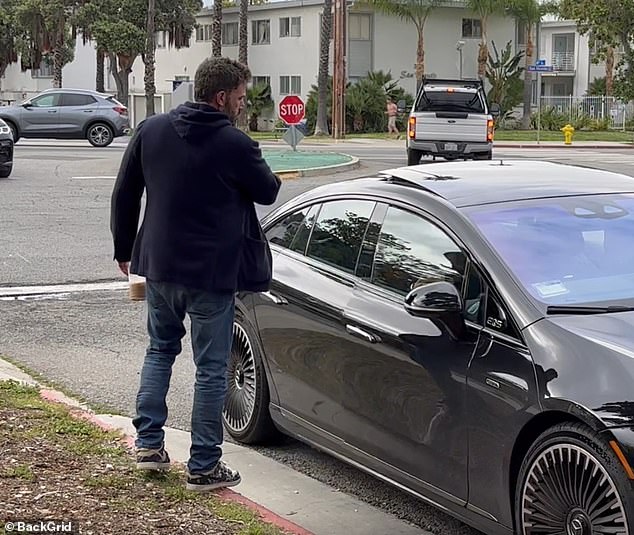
column 567, row 250
column 457, row 101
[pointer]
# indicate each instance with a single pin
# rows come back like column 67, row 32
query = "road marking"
column 91, row 177
column 15, row 292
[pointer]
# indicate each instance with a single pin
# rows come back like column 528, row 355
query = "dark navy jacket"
column 202, row 176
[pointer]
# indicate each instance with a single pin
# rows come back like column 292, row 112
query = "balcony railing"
column 563, row 61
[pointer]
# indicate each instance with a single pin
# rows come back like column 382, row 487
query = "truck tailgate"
column 441, row 126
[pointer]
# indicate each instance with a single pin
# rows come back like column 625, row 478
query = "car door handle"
column 87, row 111
column 52, row 111
column 360, row 333
column 278, row 300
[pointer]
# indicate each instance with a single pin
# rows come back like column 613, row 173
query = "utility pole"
column 339, row 70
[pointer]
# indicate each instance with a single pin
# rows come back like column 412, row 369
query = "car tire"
column 14, row 131
column 5, row 171
column 99, row 135
column 570, row 481
column 246, row 414
column 414, row 156
column 484, row 156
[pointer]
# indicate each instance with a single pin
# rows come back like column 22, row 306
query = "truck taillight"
column 490, row 129
column 411, row 130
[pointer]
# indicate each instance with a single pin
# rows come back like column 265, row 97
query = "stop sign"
column 292, row 109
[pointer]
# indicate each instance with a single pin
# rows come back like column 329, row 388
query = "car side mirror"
column 401, row 105
column 434, row 300
column 27, row 105
column 495, row 109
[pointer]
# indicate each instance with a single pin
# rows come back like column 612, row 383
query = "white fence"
column 578, row 109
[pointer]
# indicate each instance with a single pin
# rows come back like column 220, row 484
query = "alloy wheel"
column 100, row 135
column 242, row 382
column 568, row 492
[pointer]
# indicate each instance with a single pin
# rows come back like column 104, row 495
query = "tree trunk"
column 216, row 30
column 321, row 125
column 121, row 67
column 149, row 60
column 243, row 56
column 483, row 51
column 420, row 57
column 243, row 53
column 58, row 60
column 528, row 80
column 100, row 80
column 609, row 72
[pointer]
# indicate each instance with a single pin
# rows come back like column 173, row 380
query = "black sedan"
column 464, row 331
column 6, row 150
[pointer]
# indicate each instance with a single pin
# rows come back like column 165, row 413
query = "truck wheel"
column 414, row 156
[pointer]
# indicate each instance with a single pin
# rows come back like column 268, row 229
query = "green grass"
column 616, row 136
column 21, row 471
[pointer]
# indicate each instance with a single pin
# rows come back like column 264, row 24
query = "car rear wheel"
column 5, row 170
column 246, row 411
column 571, row 483
column 414, row 156
column 99, row 135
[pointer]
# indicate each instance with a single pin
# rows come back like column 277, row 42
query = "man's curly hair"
column 218, row 74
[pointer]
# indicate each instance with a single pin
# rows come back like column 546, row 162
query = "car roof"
column 71, row 90
column 474, row 183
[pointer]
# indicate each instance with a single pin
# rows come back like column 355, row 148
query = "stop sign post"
column 292, row 110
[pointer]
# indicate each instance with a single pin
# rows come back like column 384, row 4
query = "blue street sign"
column 540, row 62
column 540, row 68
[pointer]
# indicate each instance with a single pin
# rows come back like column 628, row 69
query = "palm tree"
column 484, row 9
column 100, row 77
column 149, row 59
column 243, row 55
column 528, row 12
column 216, row 30
column 321, row 125
column 415, row 11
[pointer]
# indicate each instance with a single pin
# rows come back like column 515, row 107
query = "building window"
column 471, row 28
column 203, row 32
column 359, row 26
column 229, row 33
column 261, row 32
column 290, row 85
column 45, row 70
column 290, row 26
column 161, row 39
column 521, row 33
column 261, row 80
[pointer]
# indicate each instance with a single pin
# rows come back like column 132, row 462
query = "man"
column 392, row 112
column 199, row 243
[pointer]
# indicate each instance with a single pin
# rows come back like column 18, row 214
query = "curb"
column 550, row 145
column 289, row 174
column 82, row 412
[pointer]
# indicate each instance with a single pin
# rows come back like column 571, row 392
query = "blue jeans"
column 211, row 317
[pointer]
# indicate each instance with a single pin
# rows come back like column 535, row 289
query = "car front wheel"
column 5, row 170
column 100, row 135
column 246, row 411
column 571, row 483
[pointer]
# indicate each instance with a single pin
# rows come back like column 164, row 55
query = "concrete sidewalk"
column 314, row 508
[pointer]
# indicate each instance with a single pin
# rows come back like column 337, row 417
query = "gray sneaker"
column 221, row 476
column 149, row 459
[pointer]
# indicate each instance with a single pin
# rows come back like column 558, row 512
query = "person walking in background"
column 199, row 243
column 392, row 113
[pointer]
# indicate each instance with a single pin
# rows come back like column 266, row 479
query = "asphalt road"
column 54, row 213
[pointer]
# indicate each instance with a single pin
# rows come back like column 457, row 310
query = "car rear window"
column 443, row 100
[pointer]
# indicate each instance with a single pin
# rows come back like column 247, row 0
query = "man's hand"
column 124, row 267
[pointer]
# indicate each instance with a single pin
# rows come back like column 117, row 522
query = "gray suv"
column 68, row 114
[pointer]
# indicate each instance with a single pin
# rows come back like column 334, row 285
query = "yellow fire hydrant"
column 568, row 130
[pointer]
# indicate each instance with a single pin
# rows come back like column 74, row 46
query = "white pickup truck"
column 451, row 119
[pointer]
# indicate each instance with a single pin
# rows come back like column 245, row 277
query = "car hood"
column 589, row 360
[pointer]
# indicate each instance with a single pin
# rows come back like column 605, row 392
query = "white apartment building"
column 283, row 39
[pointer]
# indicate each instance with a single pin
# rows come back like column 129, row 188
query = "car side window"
column 339, row 231
column 300, row 241
column 283, row 232
column 46, row 101
column 474, row 294
column 412, row 251
column 77, row 99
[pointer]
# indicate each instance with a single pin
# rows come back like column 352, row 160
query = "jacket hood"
column 194, row 120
